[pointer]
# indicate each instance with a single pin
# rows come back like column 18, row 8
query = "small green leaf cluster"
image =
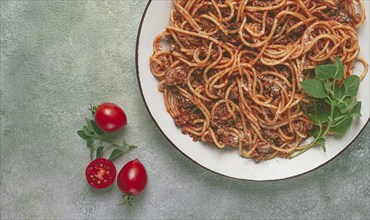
column 98, row 141
column 334, row 102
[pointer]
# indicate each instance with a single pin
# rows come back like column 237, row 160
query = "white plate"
column 229, row 162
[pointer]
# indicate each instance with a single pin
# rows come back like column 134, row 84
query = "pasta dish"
column 231, row 70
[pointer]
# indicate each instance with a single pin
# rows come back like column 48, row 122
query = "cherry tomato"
column 132, row 178
column 100, row 173
column 109, row 117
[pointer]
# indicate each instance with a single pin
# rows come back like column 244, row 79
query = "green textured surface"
column 57, row 58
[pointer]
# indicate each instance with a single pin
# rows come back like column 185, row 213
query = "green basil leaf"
column 90, row 142
column 327, row 101
column 86, row 131
column 323, row 147
column 325, row 71
column 356, row 110
column 340, row 118
column 115, row 153
column 89, row 125
column 351, row 85
column 336, row 112
column 328, row 87
column 315, row 119
column 314, row 88
column 316, row 134
column 340, row 69
column 82, row 135
column 342, row 127
column 320, row 140
column 339, row 92
column 321, row 143
column 96, row 128
column 99, row 151
column 322, row 114
column 352, row 104
column 343, row 105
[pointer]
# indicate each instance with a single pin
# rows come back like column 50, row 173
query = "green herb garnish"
column 334, row 102
column 98, row 141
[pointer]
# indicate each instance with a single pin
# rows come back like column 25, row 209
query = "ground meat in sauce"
column 284, row 71
column 205, row 9
column 297, row 32
column 232, row 26
column 184, row 39
column 215, row 53
column 239, row 126
column 234, row 93
column 264, row 147
column 345, row 12
column 184, row 119
column 221, row 116
column 175, row 76
column 270, row 134
column 184, row 103
column 225, row 12
column 258, row 3
column 271, row 89
column 231, row 140
column 221, row 132
column 203, row 53
column 303, row 126
column 208, row 137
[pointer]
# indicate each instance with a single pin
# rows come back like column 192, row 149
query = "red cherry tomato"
column 100, row 173
column 109, row 117
column 132, row 178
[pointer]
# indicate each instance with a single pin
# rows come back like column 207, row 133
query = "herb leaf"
column 329, row 87
column 327, row 71
column 340, row 69
column 314, row 88
column 342, row 127
column 356, row 110
column 339, row 92
column 116, row 153
column 86, row 131
column 321, row 142
column 82, row 135
column 99, row 151
column 90, row 142
column 344, row 104
column 97, row 130
column 351, row 85
column 89, row 125
column 322, row 114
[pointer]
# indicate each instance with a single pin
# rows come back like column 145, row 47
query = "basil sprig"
column 98, row 141
column 334, row 102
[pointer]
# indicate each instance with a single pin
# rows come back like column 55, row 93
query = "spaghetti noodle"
column 232, row 70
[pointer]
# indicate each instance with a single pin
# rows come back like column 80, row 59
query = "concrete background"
column 57, row 58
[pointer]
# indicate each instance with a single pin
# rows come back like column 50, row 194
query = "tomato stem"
column 127, row 200
column 93, row 108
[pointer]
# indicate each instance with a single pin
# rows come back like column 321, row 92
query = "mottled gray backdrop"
column 57, row 58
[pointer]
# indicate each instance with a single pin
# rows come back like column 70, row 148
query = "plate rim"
column 204, row 167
